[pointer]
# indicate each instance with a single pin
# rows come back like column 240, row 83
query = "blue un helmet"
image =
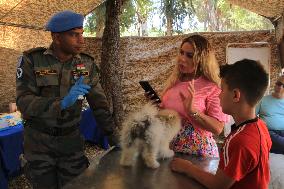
column 64, row 21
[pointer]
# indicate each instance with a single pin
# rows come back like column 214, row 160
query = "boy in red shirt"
column 244, row 159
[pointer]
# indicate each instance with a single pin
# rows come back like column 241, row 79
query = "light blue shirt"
column 271, row 110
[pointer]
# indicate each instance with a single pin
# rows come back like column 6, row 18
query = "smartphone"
column 147, row 88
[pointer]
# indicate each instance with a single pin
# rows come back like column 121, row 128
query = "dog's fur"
column 149, row 132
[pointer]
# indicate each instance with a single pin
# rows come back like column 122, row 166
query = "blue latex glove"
column 78, row 89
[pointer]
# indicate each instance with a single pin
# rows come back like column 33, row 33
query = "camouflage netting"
column 153, row 59
column 13, row 42
column 267, row 8
column 141, row 58
column 34, row 13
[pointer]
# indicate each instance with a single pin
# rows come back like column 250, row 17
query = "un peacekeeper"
column 49, row 83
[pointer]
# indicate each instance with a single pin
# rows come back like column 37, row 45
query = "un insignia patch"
column 19, row 69
column 19, row 73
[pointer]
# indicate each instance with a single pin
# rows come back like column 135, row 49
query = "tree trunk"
column 100, row 20
column 110, row 66
column 169, row 31
column 144, row 29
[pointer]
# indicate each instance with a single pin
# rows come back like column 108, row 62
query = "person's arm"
column 218, row 181
column 207, row 122
column 100, row 107
column 99, row 104
column 277, row 138
column 28, row 100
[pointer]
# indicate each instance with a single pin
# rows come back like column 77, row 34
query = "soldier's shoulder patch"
column 37, row 49
column 19, row 73
column 87, row 55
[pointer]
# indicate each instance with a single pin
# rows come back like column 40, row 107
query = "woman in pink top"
column 196, row 75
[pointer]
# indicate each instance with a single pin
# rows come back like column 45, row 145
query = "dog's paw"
column 153, row 165
column 167, row 154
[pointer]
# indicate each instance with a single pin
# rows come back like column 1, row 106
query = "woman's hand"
column 188, row 101
column 180, row 165
column 149, row 96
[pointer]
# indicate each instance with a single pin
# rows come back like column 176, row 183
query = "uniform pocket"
column 46, row 80
column 49, row 85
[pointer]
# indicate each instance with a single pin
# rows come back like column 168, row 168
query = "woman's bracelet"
column 195, row 115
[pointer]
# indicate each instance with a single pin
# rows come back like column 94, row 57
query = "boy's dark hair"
column 247, row 75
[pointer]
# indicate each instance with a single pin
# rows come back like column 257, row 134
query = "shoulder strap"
column 35, row 50
column 29, row 53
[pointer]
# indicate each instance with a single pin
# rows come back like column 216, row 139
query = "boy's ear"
column 237, row 95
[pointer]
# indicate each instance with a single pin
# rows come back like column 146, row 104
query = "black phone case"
column 148, row 88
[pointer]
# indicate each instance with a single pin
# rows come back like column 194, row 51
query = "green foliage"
column 245, row 20
column 175, row 12
column 200, row 15
column 154, row 31
column 144, row 8
column 90, row 24
column 95, row 21
column 230, row 17
column 127, row 16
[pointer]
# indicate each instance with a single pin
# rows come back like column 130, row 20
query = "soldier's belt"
column 52, row 131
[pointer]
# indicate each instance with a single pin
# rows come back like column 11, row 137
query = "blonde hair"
column 280, row 77
column 204, row 59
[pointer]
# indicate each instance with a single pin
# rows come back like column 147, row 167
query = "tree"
column 100, row 13
column 215, row 15
column 127, row 16
column 219, row 15
column 173, row 13
column 136, row 12
column 143, row 9
column 95, row 22
column 90, row 24
column 110, row 66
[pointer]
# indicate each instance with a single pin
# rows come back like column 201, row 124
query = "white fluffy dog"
column 149, row 132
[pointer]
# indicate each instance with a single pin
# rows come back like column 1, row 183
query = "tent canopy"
column 268, row 8
column 34, row 14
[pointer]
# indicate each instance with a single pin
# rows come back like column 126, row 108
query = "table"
column 11, row 146
column 106, row 173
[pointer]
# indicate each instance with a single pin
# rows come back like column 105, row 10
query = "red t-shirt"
column 241, row 152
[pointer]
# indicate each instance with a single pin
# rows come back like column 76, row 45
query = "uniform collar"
column 234, row 126
column 49, row 51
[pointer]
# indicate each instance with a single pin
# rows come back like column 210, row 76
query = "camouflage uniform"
column 53, row 145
